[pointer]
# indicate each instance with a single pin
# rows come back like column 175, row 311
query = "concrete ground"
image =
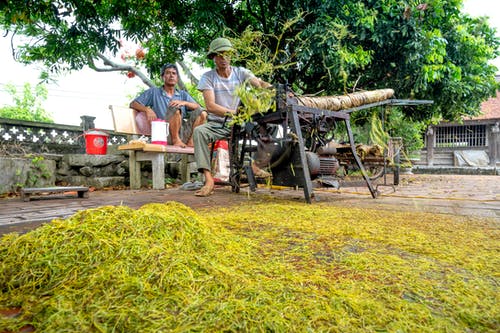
column 466, row 195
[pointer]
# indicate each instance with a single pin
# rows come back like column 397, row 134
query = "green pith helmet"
column 219, row 45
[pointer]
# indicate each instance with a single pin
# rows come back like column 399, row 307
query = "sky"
column 87, row 92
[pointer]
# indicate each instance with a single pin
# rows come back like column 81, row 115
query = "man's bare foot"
column 190, row 143
column 179, row 143
column 259, row 173
column 206, row 190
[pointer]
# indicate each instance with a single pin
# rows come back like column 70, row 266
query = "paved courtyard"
column 448, row 194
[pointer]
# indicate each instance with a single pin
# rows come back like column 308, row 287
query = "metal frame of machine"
column 289, row 158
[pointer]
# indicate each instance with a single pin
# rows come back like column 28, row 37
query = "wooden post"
column 184, row 166
column 134, row 170
column 158, row 161
column 158, row 165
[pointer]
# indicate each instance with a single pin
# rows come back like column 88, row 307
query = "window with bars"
column 461, row 136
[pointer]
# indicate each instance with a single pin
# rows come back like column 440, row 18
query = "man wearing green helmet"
column 218, row 87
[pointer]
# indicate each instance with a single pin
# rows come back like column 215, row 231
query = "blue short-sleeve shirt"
column 157, row 99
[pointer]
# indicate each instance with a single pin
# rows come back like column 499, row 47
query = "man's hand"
column 177, row 103
column 188, row 105
column 150, row 114
column 259, row 83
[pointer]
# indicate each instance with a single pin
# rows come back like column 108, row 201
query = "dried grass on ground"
column 279, row 266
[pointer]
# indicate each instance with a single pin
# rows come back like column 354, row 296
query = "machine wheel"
column 375, row 171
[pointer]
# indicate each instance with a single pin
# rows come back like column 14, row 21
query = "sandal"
column 191, row 186
column 205, row 191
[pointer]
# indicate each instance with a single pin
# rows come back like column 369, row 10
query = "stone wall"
column 99, row 171
column 25, row 172
column 34, row 154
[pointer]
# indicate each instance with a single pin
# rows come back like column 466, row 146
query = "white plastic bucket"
column 159, row 132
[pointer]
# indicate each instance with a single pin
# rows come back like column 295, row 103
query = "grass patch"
column 279, row 266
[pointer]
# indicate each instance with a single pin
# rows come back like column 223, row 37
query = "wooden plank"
column 124, row 119
column 179, row 150
column 157, row 148
column 26, row 193
column 54, row 189
column 137, row 145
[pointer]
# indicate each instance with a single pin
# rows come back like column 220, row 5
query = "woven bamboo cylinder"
column 336, row 103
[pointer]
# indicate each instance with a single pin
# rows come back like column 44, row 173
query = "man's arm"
column 150, row 114
column 256, row 82
column 212, row 107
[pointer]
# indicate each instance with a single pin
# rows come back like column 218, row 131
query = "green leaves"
column 424, row 50
column 26, row 105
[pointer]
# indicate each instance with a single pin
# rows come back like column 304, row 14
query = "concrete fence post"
column 494, row 144
column 430, row 139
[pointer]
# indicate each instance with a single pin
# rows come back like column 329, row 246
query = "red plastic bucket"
column 96, row 142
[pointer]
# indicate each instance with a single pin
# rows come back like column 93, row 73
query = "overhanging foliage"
column 422, row 50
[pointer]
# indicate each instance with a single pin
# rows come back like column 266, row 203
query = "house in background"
column 472, row 144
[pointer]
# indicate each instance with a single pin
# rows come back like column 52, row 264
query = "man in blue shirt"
column 170, row 104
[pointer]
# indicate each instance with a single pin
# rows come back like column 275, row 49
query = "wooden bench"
column 124, row 122
column 26, row 193
column 139, row 152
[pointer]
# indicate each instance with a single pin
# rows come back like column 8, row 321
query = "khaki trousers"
column 203, row 136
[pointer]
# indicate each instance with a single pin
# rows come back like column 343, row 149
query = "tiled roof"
column 490, row 109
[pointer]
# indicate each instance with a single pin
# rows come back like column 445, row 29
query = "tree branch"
column 116, row 67
column 190, row 75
